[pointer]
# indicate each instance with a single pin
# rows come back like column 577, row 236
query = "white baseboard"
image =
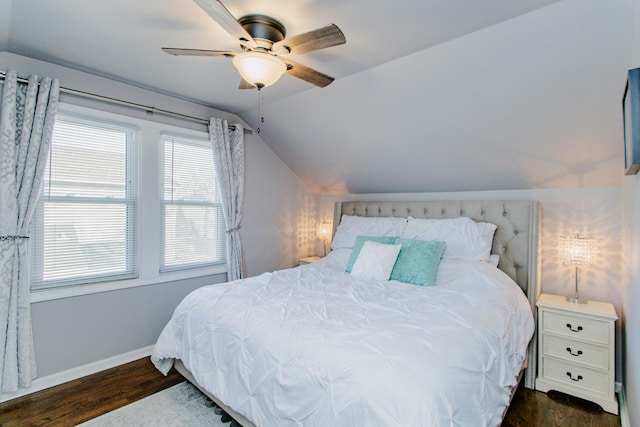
column 81, row 371
column 624, row 409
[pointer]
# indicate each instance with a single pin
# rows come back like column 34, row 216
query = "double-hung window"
column 193, row 224
column 124, row 202
column 84, row 227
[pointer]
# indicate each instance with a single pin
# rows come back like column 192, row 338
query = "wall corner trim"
column 622, row 403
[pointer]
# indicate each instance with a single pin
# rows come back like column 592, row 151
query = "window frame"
column 163, row 205
column 130, row 197
column 148, row 162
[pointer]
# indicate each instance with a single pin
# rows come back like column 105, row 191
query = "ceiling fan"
column 265, row 51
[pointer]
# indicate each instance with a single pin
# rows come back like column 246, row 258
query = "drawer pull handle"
column 574, row 379
column 574, row 354
column 574, row 330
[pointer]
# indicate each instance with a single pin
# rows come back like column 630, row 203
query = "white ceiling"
column 430, row 95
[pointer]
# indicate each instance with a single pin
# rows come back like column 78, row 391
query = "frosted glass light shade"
column 323, row 230
column 578, row 251
column 259, row 69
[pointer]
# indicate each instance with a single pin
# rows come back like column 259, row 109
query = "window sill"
column 50, row 294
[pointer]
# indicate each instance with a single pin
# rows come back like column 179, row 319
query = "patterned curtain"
column 27, row 117
column 228, row 157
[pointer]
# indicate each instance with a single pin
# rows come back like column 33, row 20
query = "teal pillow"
column 418, row 261
column 389, row 240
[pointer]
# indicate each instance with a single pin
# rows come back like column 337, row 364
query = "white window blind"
column 84, row 228
column 193, row 230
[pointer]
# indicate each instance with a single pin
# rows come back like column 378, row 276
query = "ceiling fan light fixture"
column 259, row 69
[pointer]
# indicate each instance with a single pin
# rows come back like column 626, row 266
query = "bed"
column 317, row 346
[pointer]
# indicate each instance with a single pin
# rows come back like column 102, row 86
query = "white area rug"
column 180, row 406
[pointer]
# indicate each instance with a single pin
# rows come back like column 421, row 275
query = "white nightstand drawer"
column 574, row 376
column 578, row 328
column 576, row 352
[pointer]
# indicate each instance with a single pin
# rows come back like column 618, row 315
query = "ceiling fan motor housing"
column 264, row 29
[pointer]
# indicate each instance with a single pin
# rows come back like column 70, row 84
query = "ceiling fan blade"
column 318, row 39
column 197, row 52
column 245, row 85
column 227, row 21
column 307, row 74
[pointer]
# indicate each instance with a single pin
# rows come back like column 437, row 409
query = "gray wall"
column 72, row 332
column 277, row 225
column 630, row 313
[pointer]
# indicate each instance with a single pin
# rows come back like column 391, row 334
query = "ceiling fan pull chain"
column 260, row 110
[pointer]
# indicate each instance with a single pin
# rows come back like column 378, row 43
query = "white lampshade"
column 259, row 69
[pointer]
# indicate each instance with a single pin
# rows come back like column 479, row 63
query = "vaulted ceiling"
column 430, row 95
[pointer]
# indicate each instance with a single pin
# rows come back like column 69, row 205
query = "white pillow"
column 462, row 235
column 487, row 230
column 376, row 260
column 494, row 260
column 353, row 226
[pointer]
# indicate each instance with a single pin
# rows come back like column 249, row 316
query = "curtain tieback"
column 4, row 238
column 233, row 229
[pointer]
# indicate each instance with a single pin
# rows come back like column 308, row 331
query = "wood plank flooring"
column 78, row 401
column 531, row 408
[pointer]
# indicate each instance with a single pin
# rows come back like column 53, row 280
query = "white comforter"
column 314, row 346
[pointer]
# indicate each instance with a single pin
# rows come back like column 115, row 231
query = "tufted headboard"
column 516, row 239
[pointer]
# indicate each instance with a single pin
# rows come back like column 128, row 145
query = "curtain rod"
column 146, row 108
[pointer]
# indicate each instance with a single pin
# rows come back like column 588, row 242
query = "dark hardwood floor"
column 78, row 401
column 531, row 408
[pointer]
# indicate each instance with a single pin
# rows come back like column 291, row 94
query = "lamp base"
column 575, row 300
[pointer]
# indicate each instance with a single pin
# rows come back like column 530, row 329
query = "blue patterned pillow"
column 418, row 261
column 388, row 240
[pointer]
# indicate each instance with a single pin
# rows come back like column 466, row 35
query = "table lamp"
column 578, row 252
column 323, row 231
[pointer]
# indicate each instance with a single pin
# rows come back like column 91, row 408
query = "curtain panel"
column 228, row 158
column 27, row 118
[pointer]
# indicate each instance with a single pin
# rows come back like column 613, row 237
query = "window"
column 84, row 228
column 193, row 224
column 124, row 202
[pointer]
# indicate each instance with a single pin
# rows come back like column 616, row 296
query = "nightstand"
column 308, row 260
column 576, row 349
